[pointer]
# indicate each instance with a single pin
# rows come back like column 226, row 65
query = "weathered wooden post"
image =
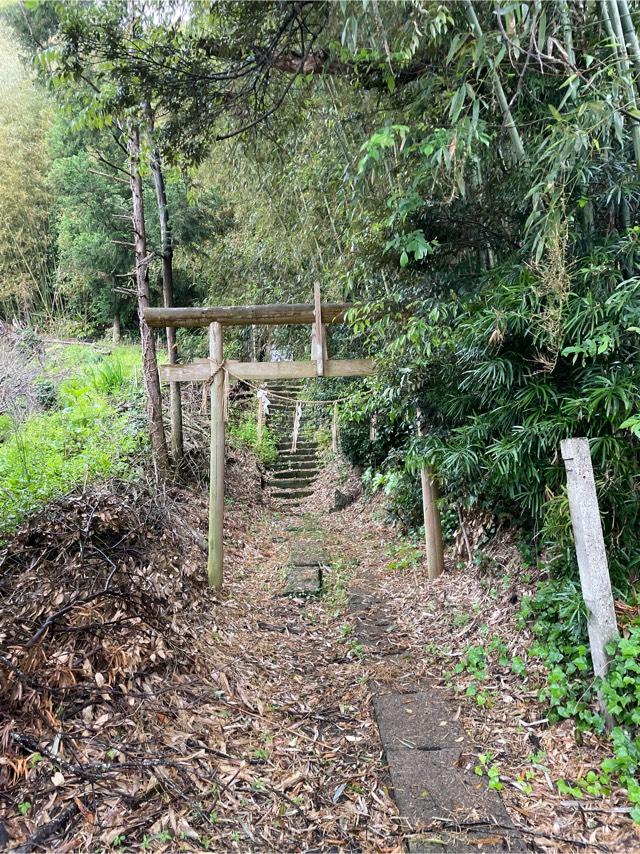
column 318, row 333
column 590, row 550
column 432, row 526
column 431, row 515
column 216, row 472
column 296, row 427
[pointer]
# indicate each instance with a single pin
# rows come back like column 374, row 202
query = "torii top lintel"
column 245, row 315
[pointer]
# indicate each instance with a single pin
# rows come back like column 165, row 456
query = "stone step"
column 303, row 445
column 292, row 483
column 294, row 466
column 299, row 456
column 308, row 553
column 293, row 494
column 285, row 391
column 287, row 474
column 303, row 579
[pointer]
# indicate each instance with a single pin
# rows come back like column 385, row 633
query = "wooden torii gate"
column 216, row 368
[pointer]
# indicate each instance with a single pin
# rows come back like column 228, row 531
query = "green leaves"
column 83, row 437
column 374, row 148
column 414, row 244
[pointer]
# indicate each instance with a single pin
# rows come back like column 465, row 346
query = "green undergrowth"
column 89, row 424
column 243, row 431
column 558, row 618
column 556, row 615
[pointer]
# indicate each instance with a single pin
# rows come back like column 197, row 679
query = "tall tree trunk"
column 166, row 239
column 149, row 364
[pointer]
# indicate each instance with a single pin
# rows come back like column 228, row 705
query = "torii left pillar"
column 216, row 471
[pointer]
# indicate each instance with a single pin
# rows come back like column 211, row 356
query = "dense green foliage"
column 24, row 203
column 243, row 429
column 476, row 187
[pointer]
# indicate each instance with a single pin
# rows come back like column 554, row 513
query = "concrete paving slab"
column 307, row 554
column 431, row 764
column 418, row 720
column 303, row 579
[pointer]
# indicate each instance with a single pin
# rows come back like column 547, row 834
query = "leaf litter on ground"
column 142, row 710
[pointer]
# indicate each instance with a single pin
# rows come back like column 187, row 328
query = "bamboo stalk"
column 567, row 34
column 631, row 37
column 620, row 48
column 507, row 116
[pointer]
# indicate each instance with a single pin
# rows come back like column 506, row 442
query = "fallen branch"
column 44, row 833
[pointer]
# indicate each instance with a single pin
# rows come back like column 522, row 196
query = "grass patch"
column 243, row 430
column 84, row 435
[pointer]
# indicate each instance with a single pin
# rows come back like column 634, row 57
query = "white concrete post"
column 590, row 550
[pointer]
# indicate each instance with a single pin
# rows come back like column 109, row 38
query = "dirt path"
column 160, row 716
column 300, row 715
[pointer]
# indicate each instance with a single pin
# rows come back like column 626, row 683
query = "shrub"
column 81, row 439
column 46, row 392
column 52, row 453
column 6, row 427
column 503, row 373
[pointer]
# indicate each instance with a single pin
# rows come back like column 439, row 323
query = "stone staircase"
column 293, row 474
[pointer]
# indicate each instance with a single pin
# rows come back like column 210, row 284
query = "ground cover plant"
column 85, row 425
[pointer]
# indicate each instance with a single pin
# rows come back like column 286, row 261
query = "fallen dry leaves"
column 435, row 623
column 141, row 710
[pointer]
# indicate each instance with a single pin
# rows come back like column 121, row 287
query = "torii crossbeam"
column 214, row 368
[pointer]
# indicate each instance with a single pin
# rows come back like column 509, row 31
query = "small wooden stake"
column 432, row 526
column 216, row 471
column 260, row 418
column 373, row 427
column 296, row 427
column 590, row 550
column 334, row 429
